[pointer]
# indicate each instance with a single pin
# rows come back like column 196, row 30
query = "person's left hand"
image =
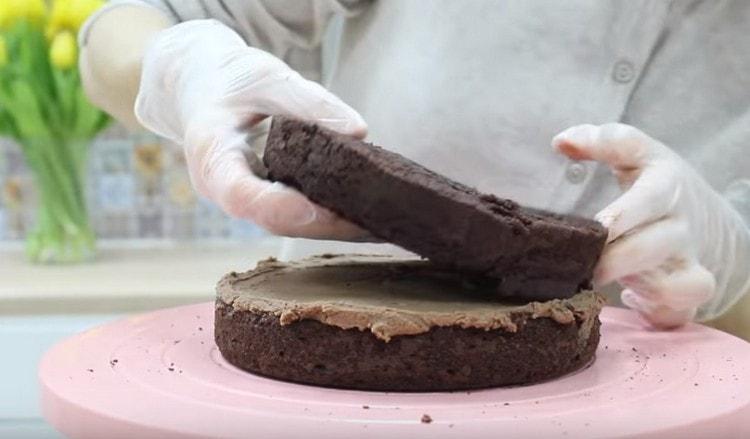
column 673, row 241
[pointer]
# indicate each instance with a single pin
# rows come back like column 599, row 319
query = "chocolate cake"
column 528, row 253
column 378, row 323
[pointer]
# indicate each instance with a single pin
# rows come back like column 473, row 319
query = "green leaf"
column 42, row 107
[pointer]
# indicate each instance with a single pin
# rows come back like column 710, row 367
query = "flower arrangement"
column 44, row 109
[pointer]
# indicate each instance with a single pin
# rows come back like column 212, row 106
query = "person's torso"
column 476, row 90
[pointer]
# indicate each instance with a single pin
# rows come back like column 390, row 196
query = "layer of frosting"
column 387, row 296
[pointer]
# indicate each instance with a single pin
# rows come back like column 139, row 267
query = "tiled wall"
column 138, row 188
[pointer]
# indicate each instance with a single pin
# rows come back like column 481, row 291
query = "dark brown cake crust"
column 444, row 358
column 530, row 254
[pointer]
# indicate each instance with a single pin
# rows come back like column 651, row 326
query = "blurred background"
column 96, row 222
column 137, row 190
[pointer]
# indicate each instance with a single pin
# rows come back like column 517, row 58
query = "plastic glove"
column 674, row 243
column 203, row 87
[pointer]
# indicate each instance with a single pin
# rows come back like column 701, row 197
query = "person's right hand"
column 202, row 87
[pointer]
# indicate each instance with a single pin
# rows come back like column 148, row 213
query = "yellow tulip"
column 63, row 51
column 81, row 10
column 3, row 52
column 14, row 10
column 70, row 14
column 4, row 14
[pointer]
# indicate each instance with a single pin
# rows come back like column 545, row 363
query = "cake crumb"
column 506, row 403
column 171, row 369
column 426, row 419
column 366, row 407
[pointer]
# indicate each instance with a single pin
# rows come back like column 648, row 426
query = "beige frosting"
column 387, row 296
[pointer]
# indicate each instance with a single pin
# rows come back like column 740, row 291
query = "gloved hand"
column 674, row 243
column 203, row 87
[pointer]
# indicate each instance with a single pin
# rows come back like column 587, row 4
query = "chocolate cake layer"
column 529, row 253
column 375, row 323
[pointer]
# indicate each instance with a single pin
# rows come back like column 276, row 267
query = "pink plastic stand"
column 160, row 375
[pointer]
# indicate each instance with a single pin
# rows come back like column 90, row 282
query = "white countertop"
column 124, row 279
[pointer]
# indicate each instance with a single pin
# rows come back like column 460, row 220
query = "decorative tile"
column 137, row 188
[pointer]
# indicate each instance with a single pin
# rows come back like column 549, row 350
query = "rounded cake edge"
column 442, row 359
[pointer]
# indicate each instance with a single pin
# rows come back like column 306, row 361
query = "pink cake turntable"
column 160, row 375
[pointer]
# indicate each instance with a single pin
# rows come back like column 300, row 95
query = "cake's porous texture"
column 375, row 323
column 531, row 254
